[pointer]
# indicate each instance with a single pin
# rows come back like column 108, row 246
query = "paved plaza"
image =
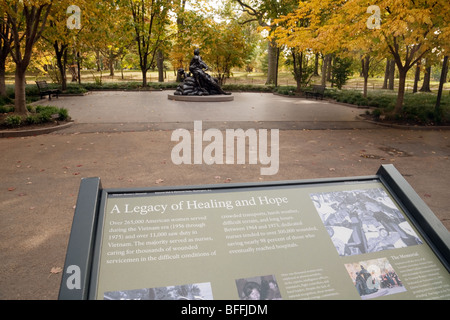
column 137, row 111
column 125, row 139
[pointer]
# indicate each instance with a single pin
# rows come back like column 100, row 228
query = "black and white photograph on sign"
column 363, row 221
column 374, row 278
column 258, row 288
column 196, row 291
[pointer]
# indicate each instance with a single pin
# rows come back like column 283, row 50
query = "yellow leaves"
column 399, row 28
column 410, row 19
column 337, row 25
column 427, row 20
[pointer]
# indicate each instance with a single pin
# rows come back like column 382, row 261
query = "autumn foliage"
column 404, row 30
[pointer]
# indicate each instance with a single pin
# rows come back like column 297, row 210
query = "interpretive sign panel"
column 322, row 239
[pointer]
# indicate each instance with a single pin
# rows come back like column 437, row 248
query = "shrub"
column 6, row 109
column 63, row 114
column 376, row 113
column 246, row 87
column 5, row 100
column 46, row 112
column 75, row 89
column 33, row 119
column 286, row 90
column 13, row 120
column 342, row 71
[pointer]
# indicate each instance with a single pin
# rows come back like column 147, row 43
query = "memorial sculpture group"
column 197, row 82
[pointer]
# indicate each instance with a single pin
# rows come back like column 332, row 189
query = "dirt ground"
column 40, row 177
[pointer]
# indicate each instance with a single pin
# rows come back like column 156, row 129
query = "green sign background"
column 221, row 240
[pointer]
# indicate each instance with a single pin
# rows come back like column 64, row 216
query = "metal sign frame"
column 83, row 246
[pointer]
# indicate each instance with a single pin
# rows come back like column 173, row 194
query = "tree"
column 426, row 79
column 5, row 47
column 408, row 29
column 386, row 75
column 114, row 33
column 291, row 32
column 258, row 13
column 178, row 53
column 27, row 21
column 342, row 70
column 150, row 18
column 391, row 75
column 301, row 70
column 60, row 37
column 311, row 28
column 266, row 12
column 437, row 110
column 416, row 77
column 444, row 50
column 227, row 48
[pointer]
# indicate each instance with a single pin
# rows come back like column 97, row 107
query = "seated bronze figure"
column 197, row 81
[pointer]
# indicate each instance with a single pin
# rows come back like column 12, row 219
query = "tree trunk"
column 272, row 63
column 35, row 19
column 5, row 46
column 329, row 69
column 298, row 68
column 316, row 65
column 361, row 73
column 3, row 56
column 324, row 70
column 98, row 60
column 160, row 65
column 111, row 67
column 3, row 79
column 276, row 67
column 61, row 58
column 20, row 102
column 72, row 67
column 365, row 63
column 366, row 81
column 416, row 77
column 79, row 67
column 386, row 75
column 437, row 110
column 426, row 80
column 401, row 90
column 144, row 78
column 111, row 61
column 391, row 74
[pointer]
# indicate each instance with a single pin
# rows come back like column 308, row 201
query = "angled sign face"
column 347, row 238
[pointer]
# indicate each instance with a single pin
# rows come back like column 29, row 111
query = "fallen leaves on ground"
column 55, row 270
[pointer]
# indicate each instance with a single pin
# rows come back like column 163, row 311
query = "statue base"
column 210, row 98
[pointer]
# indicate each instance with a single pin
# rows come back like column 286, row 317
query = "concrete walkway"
column 40, row 175
column 139, row 111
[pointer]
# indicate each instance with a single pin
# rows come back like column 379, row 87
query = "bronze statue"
column 198, row 82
